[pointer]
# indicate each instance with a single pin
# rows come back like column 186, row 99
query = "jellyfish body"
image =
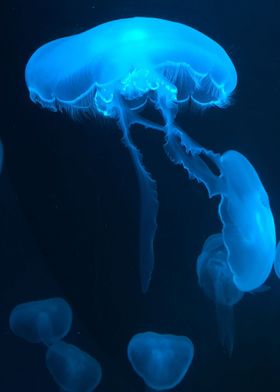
column 45, row 321
column 216, row 279
column 73, row 369
column 277, row 260
column 162, row 361
column 248, row 224
column 115, row 69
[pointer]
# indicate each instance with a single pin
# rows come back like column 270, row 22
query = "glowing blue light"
column 66, row 69
column 73, row 369
column 162, row 361
column 41, row 321
column 277, row 260
column 248, row 224
column 115, row 69
column 216, row 280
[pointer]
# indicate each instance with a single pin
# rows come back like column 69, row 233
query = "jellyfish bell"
column 114, row 69
column 73, row 369
column 128, row 58
column 216, row 280
column 45, row 321
column 248, row 223
column 162, row 361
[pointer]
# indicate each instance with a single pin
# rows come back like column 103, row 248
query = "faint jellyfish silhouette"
column 277, row 260
column 162, row 361
column 45, row 321
column 216, row 280
column 73, row 369
column 115, row 69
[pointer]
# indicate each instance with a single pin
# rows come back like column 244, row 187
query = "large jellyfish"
column 73, row 369
column 216, row 279
column 45, row 321
column 119, row 67
column 162, row 361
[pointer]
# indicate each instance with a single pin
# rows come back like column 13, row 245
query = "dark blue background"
column 69, row 204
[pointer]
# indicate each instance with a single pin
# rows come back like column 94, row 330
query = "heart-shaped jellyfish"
column 73, row 369
column 162, row 361
column 45, row 321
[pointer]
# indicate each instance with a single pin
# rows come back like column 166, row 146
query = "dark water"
column 69, row 205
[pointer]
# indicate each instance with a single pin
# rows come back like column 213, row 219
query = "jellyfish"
column 73, row 369
column 117, row 69
column 162, row 361
column 216, row 279
column 277, row 260
column 45, row 321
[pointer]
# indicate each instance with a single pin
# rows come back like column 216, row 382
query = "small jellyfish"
column 216, row 280
column 43, row 321
column 160, row 360
column 73, row 369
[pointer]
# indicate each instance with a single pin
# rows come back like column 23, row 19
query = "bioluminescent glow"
column 45, row 321
column 277, row 260
column 216, row 280
column 73, row 369
column 115, row 69
column 162, row 361
column 248, row 224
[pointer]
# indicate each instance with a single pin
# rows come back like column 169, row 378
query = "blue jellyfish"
column 73, row 369
column 45, row 321
column 248, row 224
column 162, row 361
column 216, row 279
column 115, row 70
column 277, row 260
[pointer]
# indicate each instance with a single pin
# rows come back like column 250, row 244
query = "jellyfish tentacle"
column 216, row 280
column 148, row 206
column 224, row 301
column 225, row 321
column 136, row 119
column 182, row 150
